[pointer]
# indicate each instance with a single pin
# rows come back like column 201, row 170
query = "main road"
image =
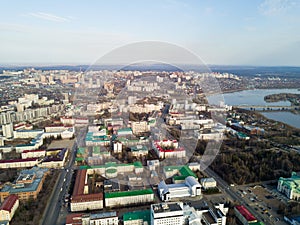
column 62, row 185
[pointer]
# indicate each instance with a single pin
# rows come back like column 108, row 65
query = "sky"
column 231, row 32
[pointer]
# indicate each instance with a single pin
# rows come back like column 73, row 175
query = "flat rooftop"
column 103, row 215
column 166, row 207
column 137, row 215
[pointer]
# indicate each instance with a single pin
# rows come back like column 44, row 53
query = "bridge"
column 268, row 107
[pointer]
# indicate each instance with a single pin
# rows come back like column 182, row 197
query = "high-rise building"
column 1, row 141
column 8, row 130
column 43, row 79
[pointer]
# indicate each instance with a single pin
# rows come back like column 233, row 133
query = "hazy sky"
column 254, row 32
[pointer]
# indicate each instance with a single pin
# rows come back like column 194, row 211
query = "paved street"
column 52, row 211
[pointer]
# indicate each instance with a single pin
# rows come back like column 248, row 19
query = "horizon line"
column 122, row 64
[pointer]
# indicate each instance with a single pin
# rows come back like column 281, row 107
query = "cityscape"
column 149, row 133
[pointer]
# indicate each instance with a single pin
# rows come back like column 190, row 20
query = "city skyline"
column 231, row 33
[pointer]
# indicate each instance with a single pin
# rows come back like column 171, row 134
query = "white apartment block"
column 86, row 202
column 104, row 218
column 139, row 127
column 27, row 133
column 7, row 130
column 18, row 163
column 33, row 154
column 168, row 149
column 117, row 147
column 167, row 214
column 123, row 198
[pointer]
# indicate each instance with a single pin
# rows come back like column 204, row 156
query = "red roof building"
column 81, row 200
column 244, row 215
column 168, row 149
column 9, row 207
column 74, row 219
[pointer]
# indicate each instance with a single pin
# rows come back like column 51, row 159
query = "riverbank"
column 255, row 97
column 275, row 130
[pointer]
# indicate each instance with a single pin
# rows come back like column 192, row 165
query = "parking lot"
column 264, row 200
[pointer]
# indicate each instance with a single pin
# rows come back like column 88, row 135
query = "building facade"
column 290, row 186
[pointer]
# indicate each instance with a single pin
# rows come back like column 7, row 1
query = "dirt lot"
column 62, row 144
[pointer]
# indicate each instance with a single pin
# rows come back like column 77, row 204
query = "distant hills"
column 263, row 71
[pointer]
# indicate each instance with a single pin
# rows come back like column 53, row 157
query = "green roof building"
column 257, row 223
column 93, row 139
column 290, row 186
column 136, row 167
column 183, row 171
column 121, row 198
column 139, row 150
column 137, row 217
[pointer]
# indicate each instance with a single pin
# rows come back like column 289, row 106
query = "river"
column 256, row 97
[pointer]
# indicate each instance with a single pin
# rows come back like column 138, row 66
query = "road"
column 234, row 195
column 62, row 185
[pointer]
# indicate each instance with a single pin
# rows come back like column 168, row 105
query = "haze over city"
column 229, row 32
column 150, row 112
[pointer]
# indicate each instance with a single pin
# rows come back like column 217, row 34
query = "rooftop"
column 25, row 177
column 30, row 131
column 18, row 160
column 4, row 222
column 209, row 217
column 128, row 193
column 81, row 150
column 96, row 149
column 37, row 150
column 137, row 215
column 248, row 216
column 25, row 145
column 186, row 171
column 111, row 164
column 9, row 202
column 13, row 189
column 58, row 157
column 79, row 183
column 103, row 215
column 87, row 197
column 74, row 219
column 166, row 207
column 208, row 179
column 139, row 148
column 127, row 129
column 25, row 188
